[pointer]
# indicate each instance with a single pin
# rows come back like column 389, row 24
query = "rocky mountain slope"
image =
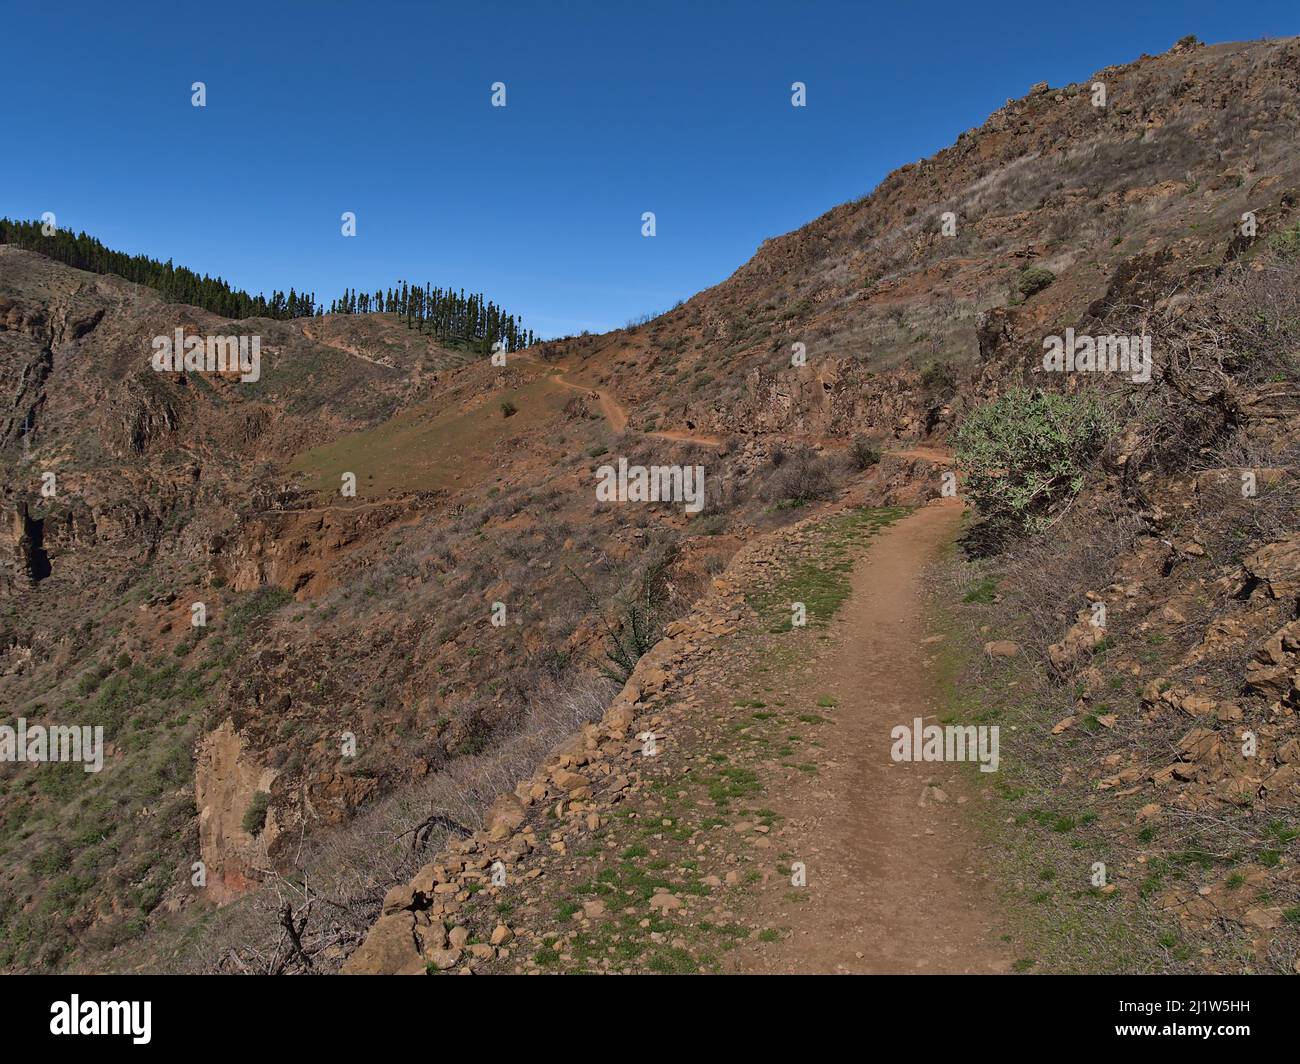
column 1157, row 746
column 1143, row 191
column 377, row 668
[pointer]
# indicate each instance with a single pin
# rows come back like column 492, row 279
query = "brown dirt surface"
column 892, row 873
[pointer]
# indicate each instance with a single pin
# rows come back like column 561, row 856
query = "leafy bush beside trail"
column 1026, row 451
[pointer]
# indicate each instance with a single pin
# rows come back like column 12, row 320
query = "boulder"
column 389, row 949
column 442, row 959
column 1276, row 568
column 1080, row 638
column 505, row 817
column 569, row 781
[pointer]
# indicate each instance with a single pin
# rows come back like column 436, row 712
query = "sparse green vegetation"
column 983, row 592
column 822, row 583
column 863, row 453
column 255, row 815
column 1286, row 243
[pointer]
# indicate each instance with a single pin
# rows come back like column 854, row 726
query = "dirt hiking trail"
column 662, row 838
column 892, row 881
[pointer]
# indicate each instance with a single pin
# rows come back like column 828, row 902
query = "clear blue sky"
column 614, row 108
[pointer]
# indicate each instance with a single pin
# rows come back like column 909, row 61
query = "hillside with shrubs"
column 453, row 666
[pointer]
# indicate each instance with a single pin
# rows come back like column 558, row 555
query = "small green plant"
column 255, row 815
column 89, row 681
column 641, row 607
column 672, row 961
column 1283, row 831
column 508, row 409
column 1287, row 242
column 982, row 593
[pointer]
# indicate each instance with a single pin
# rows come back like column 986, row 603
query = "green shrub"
column 255, row 814
column 508, row 409
column 1026, row 450
column 641, row 606
column 1034, row 279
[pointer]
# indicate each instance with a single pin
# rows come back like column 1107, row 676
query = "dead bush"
column 806, row 477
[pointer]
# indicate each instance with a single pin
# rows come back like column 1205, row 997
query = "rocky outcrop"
column 1276, row 568
column 31, row 563
column 1274, row 671
column 838, row 397
column 298, row 548
column 1079, row 640
column 226, row 780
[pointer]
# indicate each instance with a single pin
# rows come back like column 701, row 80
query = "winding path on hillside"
column 339, row 345
column 615, row 412
column 617, row 416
